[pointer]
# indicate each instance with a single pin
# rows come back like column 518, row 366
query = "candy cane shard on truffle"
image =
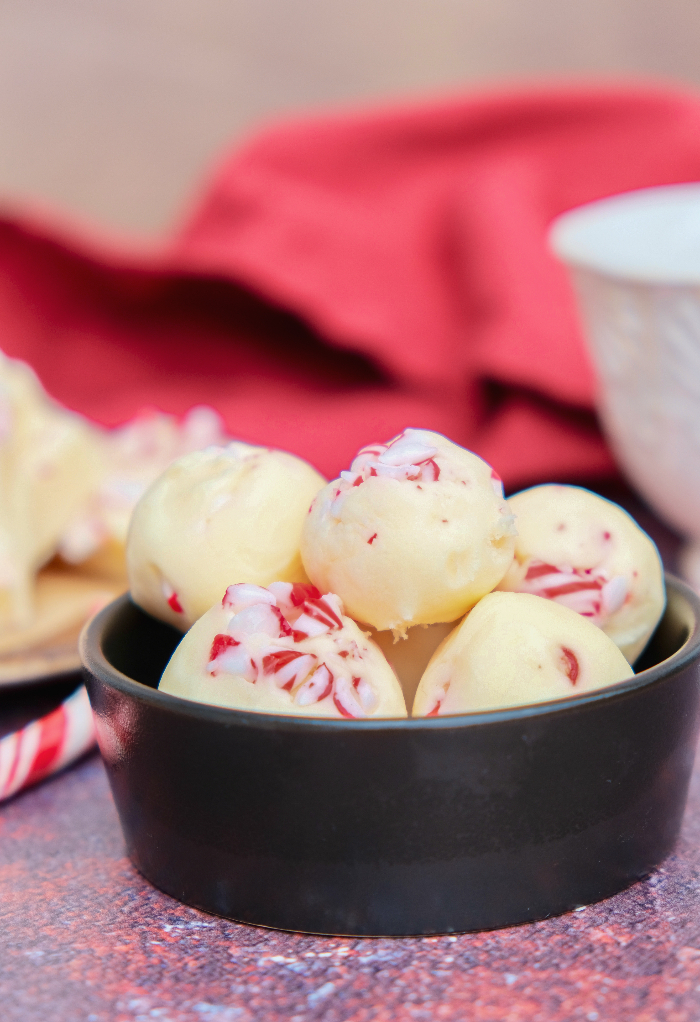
column 221, row 513
column 285, row 649
column 588, row 554
column 415, row 532
column 514, row 649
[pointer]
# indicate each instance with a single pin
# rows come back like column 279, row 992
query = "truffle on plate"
column 133, row 456
column 49, row 464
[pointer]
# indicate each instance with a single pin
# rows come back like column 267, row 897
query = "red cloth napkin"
column 347, row 276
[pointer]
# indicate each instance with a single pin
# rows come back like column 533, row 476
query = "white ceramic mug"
column 635, row 263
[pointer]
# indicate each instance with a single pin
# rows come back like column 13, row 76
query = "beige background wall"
column 113, row 108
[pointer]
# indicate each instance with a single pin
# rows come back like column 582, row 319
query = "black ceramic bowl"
column 395, row 826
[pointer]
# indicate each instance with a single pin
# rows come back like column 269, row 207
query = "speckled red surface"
column 83, row 938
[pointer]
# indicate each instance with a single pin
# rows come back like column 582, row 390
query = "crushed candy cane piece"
column 260, row 618
column 346, row 699
column 587, row 591
column 221, row 642
column 244, row 594
column 234, row 660
column 289, row 666
column 171, row 597
column 322, row 658
column 316, row 688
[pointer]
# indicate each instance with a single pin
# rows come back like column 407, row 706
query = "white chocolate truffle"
column 49, row 464
column 514, row 649
column 133, row 456
column 415, row 533
column 285, row 649
column 586, row 553
column 215, row 515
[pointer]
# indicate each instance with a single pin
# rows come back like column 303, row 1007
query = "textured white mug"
column 635, row 263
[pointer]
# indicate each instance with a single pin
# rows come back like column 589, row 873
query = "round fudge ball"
column 283, row 649
column 221, row 515
column 514, row 649
column 587, row 553
column 414, row 533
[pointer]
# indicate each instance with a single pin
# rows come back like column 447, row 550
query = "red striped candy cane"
column 46, row 745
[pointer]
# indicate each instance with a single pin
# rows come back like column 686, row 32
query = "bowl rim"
column 95, row 663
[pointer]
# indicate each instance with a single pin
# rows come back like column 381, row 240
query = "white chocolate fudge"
column 283, row 649
column 50, row 462
column 133, row 456
column 223, row 514
column 514, row 649
column 586, row 553
column 414, row 533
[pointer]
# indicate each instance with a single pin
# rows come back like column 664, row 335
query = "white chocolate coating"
column 285, row 649
column 49, row 464
column 222, row 514
column 133, row 456
column 587, row 553
column 415, row 533
column 515, row 649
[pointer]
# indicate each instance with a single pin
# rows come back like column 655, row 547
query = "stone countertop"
column 84, row 938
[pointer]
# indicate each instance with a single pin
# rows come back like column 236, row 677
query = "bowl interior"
column 139, row 646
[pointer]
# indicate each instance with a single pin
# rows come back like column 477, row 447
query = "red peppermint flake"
column 372, row 539
column 342, row 709
column 302, row 591
column 174, row 604
column 274, row 662
column 324, row 679
column 538, row 569
column 221, row 642
column 430, row 471
column 315, row 688
column 571, row 664
column 348, row 697
column 571, row 587
column 440, row 700
column 322, row 611
column 284, row 624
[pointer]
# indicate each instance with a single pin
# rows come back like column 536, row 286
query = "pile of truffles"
column 68, row 490
column 409, row 584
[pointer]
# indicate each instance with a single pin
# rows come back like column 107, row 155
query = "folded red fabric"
column 344, row 277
